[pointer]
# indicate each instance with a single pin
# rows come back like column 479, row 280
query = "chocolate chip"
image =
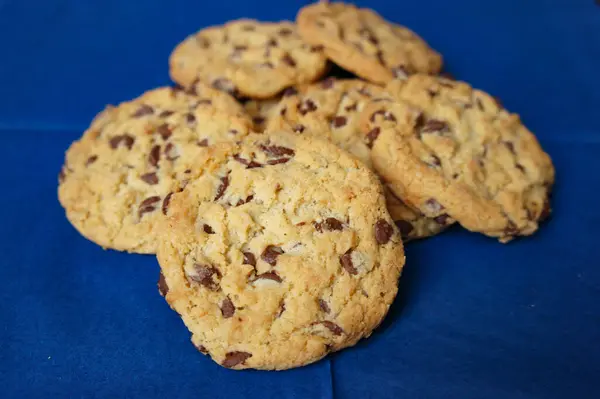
column 164, row 131
column 150, row 178
column 190, row 118
column 331, row 326
column 270, row 254
column 170, row 152
column 207, row 229
column 232, row 359
column 276, row 151
column 242, row 201
column 546, row 211
column 442, row 220
column 328, row 83
column 154, row 155
column 287, row 59
column 434, row 125
column 272, row 43
column 281, row 310
column 307, row 106
column 339, row 121
column 124, row 138
column 225, row 85
column 201, row 349
column 380, row 57
column 316, row 49
column 204, row 101
column 204, row 276
column 405, row 227
column 269, row 276
column 346, row 262
column 232, row 131
column 329, row 224
column 258, row 120
column 166, row 114
column 163, row 288
column 290, row 91
column 277, row 161
column 383, row 231
column 91, row 160
column 249, row 164
column 143, row 110
column 285, row 32
column 62, row 175
column 299, row 128
column 222, row 187
column 324, row 307
column 510, row 230
column 351, row 107
column 203, row 143
column 520, row 167
column 166, row 202
column 148, row 205
column 249, row 259
column 372, row 136
column 202, row 42
column 227, row 308
column 374, row 114
column 433, row 206
column 435, row 161
column 510, row 146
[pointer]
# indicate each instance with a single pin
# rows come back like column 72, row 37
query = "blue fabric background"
column 474, row 318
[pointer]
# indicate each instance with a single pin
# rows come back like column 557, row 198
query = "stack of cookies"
column 277, row 197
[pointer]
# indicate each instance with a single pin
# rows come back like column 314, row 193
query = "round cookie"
column 247, row 58
column 360, row 40
column 279, row 253
column 331, row 110
column 450, row 150
column 121, row 173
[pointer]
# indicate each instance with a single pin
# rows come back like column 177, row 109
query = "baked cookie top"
column 360, row 40
column 117, row 178
column 279, row 253
column 331, row 110
column 247, row 58
column 450, row 150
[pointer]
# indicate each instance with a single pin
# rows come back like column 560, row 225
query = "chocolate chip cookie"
column 117, row 180
column 247, row 58
column 279, row 253
column 331, row 110
column 452, row 151
column 360, row 40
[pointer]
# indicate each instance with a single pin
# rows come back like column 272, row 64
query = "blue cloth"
column 474, row 318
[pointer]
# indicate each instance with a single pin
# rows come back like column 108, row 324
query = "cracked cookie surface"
column 452, row 151
column 247, row 58
column 331, row 110
column 279, row 253
column 118, row 177
column 361, row 41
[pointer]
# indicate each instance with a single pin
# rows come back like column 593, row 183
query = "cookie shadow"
column 418, row 277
